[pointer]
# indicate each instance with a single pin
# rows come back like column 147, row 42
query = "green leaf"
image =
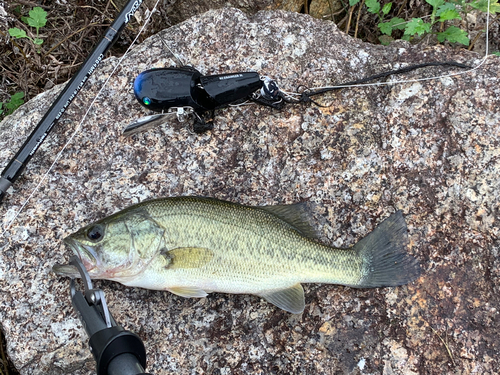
column 448, row 11
column 1, row 110
column 454, row 35
column 353, row 2
column 496, row 53
column 38, row 41
column 37, row 18
column 417, row 26
column 446, row 6
column 15, row 101
column 482, row 5
column 386, row 8
column 449, row 14
column 17, row 33
column 385, row 28
column 398, row 23
column 395, row 23
column 435, row 3
column 373, row 6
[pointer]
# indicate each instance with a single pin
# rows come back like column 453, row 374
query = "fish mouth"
column 85, row 253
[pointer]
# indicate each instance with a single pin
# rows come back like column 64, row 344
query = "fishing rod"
column 17, row 164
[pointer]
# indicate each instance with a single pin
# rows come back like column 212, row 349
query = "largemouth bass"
column 193, row 246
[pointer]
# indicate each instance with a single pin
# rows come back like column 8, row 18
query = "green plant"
column 14, row 103
column 37, row 19
column 442, row 11
column 482, row 5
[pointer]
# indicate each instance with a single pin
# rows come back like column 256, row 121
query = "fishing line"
column 277, row 98
column 79, row 126
column 289, row 95
column 483, row 60
column 171, row 52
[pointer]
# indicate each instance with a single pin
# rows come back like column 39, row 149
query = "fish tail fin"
column 385, row 259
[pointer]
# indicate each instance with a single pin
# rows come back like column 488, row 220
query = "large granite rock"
column 430, row 148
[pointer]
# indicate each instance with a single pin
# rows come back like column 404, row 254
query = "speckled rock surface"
column 430, row 148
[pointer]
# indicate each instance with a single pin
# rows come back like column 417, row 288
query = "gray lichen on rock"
column 430, row 148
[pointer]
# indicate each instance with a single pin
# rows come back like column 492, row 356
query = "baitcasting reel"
column 185, row 91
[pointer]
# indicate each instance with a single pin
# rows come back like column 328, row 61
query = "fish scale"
column 268, row 246
column 192, row 246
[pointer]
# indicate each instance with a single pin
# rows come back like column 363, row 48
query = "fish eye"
column 146, row 100
column 95, row 233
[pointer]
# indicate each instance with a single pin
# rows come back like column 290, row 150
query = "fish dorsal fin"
column 297, row 215
column 290, row 299
column 188, row 257
column 188, row 292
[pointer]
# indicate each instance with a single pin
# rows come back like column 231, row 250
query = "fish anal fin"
column 188, row 292
column 290, row 299
column 297, row 215
column 188, row 257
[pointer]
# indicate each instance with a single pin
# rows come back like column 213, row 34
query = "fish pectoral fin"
column 188, row 292
column 290, row 299
column 188, row 257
